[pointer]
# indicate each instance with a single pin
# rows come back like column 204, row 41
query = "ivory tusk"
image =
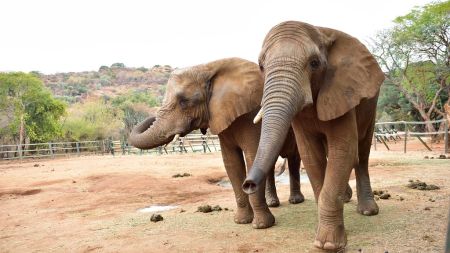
column 176, row 137
column 258, row 116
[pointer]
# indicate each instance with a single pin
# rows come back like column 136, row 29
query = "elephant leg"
column 366, row 203
column 234, row 164
column 271, row 191
column 313, row 154
column 348, row 194
column 342, row 139
column 263, row 218
column 296, row 195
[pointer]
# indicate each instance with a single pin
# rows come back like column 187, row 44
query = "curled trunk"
column 148, row 134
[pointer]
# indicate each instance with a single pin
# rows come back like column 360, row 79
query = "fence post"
column 406, row 137
column 50, row 148
column 446, row 137
column 375, row 140
column 19, row 148
column 78, row 148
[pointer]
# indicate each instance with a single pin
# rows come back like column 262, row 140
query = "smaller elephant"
column 224, row 96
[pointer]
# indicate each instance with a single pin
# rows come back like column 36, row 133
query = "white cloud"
column 69, row 35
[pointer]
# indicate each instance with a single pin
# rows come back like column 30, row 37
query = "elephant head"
column 205, row 96
column 311, row 69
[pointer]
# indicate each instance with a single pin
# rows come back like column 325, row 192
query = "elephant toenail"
column 318, row 244
column 329, row 246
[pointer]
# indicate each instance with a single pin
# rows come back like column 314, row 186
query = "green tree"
column 93, row 120
column 415, row 55
column 118, row 65
column 30, row 108
column 135, row 97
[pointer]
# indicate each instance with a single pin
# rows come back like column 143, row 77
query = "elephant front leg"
column 263, row 217
column 234, row 164
column 296, row 195
column 271, row 191
column 342, row 156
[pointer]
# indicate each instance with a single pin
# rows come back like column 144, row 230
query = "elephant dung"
column 422, row 186
column 156, row 217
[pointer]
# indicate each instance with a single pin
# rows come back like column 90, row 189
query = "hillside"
column 107, row 82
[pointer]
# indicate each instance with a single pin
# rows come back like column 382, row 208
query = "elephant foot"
column 296, row 198
column 348, row 194
column 263, row 220
column 331, row 237
column 367, row 207
column 243, row 215
column 272, row 200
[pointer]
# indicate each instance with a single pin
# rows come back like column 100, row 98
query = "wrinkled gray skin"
column 325, row 84
column 224, row 96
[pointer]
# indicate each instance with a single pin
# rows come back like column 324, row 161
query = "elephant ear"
column 352, row 74
column 236, row 89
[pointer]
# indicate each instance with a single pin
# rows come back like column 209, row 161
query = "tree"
column 29, row 107
column 118, row 65
column 415, row 55
column 93, row 120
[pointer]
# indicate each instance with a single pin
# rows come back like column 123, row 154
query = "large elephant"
column 224, row 96
column 325, row 84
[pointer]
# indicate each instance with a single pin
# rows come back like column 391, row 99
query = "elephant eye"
column 314, row 63
column 183, row 102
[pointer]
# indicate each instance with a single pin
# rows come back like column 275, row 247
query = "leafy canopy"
column 23, row 96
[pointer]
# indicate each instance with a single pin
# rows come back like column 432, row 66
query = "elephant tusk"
column 258, row 116
column 176, row 137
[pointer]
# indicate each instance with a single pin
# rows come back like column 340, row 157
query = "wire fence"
column 189, row 144
column 412, row 136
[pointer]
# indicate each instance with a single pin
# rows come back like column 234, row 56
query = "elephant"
column 324, row 84
column 224, row 96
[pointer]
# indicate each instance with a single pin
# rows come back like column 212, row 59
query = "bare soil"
column 90, row 204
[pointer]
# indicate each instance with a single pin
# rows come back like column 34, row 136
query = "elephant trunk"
column 283, row 98
column 148, row 134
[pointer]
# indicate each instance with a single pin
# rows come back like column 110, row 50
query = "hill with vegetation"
column 107, row 82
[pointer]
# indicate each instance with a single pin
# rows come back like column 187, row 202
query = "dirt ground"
column 91, row 203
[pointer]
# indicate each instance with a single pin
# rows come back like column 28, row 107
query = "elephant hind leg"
column 296, row 195
column 272, row 199
column 366, row 203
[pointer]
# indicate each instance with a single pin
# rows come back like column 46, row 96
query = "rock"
column 401, row 198
column 204, row 209
column 432, row 158
column 182, row 175
column 442, row 157
column 217, row 208
column 73, row 181
column 427, row 208
column 182, row 211
column 427, row 238
column 385, row 196
column 156, row 217
column 431, row 200
column 226, row 209
column 36, row 165
column 431, row 187
column 426, row 157
column 377, row 198
column 378, row 192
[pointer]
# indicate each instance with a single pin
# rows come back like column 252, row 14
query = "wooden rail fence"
column 189, row 143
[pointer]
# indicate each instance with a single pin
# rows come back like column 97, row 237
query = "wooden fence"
column 404, row 135
column 188, row 144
